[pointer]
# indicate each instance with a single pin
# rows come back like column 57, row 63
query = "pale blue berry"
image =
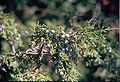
column 66, row 41
column 67, row 35
column 53, row 31
column 110, row 49
column 61, row 73
column 63, row 36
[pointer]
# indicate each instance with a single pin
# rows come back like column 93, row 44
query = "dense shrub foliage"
column 41, row 53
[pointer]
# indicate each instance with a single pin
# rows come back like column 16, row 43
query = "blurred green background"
column 67, row 13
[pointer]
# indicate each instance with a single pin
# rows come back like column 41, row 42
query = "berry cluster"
column 60, row 41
